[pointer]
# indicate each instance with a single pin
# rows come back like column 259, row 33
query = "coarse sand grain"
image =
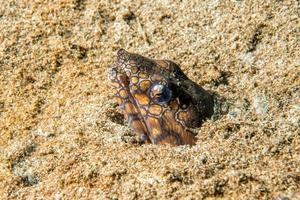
column 62, row 136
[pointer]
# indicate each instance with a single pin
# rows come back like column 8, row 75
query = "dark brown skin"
column 158, row 100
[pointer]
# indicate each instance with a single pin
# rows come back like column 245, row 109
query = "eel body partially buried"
column 159, row 101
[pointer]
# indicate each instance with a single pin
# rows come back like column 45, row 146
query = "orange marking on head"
column 171, row 121
column 123, row 93
column 184, row 116
column 155, row 109
column 144, row 85
column 137, row 126
column 134, row 80
column 143, row 75
column 154, row 126
column 129, row 108
column 134, row 87
column 151, row 121
column 118, row 100
column 143, row 112
column 134, row 69
column 142, row 99
column 155, row 132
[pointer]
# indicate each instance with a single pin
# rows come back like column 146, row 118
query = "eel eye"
column 160, row 93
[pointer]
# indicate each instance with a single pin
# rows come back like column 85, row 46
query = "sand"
column 62, row 137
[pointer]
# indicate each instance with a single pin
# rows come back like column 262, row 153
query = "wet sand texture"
column 62, row 137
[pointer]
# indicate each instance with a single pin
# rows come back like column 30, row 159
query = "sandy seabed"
column 62, row 137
